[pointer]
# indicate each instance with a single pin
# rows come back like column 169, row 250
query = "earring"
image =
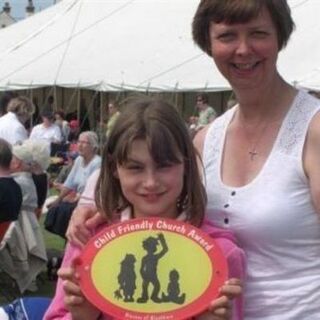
column 182, row 203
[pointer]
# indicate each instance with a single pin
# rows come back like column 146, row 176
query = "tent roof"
column 299, row 63
column 112, row 45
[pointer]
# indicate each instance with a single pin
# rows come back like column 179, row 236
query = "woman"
column 62, row 124
column 12, row 127
column 113, row 116
column 88, row 161
column 262, row 158
column 47, row 130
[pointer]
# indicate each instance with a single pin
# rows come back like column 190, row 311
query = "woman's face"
column 46, row 122
column 111, row 109
column 246, row 53
column 85, row 149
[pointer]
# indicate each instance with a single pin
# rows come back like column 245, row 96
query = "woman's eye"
column 228, row 36
column 260, row 34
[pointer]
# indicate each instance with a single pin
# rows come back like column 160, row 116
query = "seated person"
column 47, row 130
column 23, row 254
column 65, row 170
column 60, row 210
column 10, row 192
column 40, row 163
column 62, row 124
column 74, row 131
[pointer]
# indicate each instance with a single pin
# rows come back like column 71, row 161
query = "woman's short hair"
column 5, row 154
column 48, row 115
column 60, row 113
column 92, row 139
column 240, row 11
column 22, row 106
column 203, row 96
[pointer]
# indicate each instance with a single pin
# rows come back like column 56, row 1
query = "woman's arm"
column 85, row 216
column 63, row 193
column 311, row 160
column 198, row 143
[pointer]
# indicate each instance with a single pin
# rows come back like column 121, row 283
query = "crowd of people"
column 25, row 157
column 250, row 178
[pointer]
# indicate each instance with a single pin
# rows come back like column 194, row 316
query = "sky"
column 18, row 7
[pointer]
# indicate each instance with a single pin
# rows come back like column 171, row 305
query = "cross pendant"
column 253, row 153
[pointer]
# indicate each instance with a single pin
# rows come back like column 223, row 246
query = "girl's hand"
column 74, row 300
column 221, row 308
column 82, row 220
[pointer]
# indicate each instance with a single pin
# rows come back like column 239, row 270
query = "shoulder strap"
column 295, row 127
column 214, row 139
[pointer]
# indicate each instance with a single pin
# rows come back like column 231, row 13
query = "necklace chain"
column 254, row 144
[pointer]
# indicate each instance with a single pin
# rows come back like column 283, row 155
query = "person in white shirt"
column 12, row 123
column 47, row 130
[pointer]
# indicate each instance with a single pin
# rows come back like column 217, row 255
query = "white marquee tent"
column 115, row 45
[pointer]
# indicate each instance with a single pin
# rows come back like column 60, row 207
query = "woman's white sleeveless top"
column 273, row 219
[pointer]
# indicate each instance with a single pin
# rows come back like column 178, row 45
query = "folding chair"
column 8, row 287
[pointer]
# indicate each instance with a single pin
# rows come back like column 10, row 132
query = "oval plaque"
column 152, row 269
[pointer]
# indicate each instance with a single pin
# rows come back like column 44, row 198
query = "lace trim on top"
column 296, row 124
column 290, row 139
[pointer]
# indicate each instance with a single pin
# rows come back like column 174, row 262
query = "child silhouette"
column 149, row 266
column 173, row 290
column 127, row 279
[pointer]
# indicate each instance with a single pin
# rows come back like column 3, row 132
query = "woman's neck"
column 87, row 159
column 265, row 103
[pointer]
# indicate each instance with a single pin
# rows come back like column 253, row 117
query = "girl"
column 149, row 169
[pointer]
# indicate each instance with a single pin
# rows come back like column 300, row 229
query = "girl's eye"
column 133, row 167
column 164, row 165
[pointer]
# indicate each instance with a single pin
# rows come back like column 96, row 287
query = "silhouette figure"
column 149, row 264
column 173, row 290
column 126, row 279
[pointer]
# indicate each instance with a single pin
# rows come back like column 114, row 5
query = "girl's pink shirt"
column 225, row 239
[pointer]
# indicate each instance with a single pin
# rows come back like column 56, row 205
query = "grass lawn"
column 54, row 245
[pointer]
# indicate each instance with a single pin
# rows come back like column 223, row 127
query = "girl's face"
column 246, row 53
column 151, row 189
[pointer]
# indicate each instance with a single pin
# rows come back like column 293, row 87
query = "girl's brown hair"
column 240, row 11
column 167, row 137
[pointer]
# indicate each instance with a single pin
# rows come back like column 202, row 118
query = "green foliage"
column 54, row 244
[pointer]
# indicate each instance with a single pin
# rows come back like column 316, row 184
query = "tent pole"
column 31, row 99
column 62, row 99
column 55, row 97
column 100, row 124
column 78, row 105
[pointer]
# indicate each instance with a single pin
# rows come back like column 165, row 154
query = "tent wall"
column 92, row 104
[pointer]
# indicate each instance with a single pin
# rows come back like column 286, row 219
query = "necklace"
column 253, row 152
